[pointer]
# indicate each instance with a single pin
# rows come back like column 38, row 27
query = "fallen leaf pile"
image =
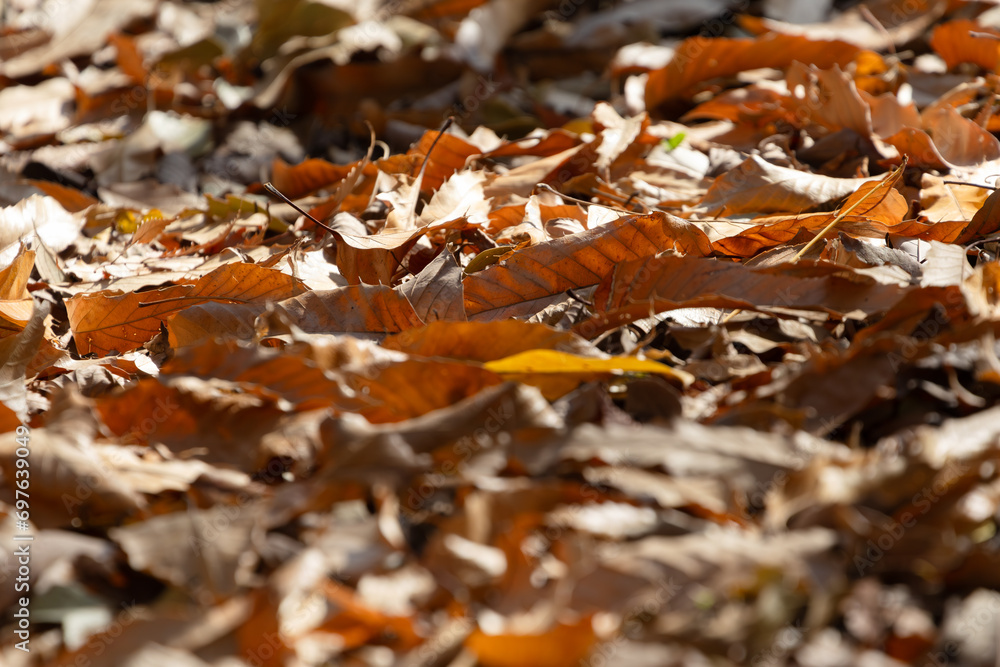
column 675, row 345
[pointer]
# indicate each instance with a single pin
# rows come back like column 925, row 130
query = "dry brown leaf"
column 450, row 154
column 828, row 97
column 295, row 378
column 483, row 341
column 305, row 178
column 959, row 140
column 412, row 388
column 757, row 186
column 872, row 218
column 70, row 477
column 356, row 309
column 984, row 223
column 374, row 259
column 551, row 170
column 216, row 420
column 699, row 59
column 918, row 147
column 940, row 201
column 436, row 292
column 106, row 321
column 577, row 260
column 15, row 302
column 16, row 353
column 211, row 555
column 548, row 144
column 640, row 287
column 72, row 200
column 890, row 115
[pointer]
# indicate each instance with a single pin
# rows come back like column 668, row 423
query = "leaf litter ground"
column 677, row 346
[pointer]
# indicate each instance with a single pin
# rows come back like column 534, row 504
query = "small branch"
column 444, row 128
column 972, row 185
column 225, row 299
column 868, row 16
column 887, row 182
column 274, row 191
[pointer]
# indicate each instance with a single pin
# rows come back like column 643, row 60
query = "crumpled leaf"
column 758, row 186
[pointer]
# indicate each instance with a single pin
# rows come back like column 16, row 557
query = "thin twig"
column 974, row 185
column 867, row 14
column 984, row 35
column 192, row 298
column 274, row 191
column 444, row 128
column 625, row 203
column 888, row 182
column 546, row 186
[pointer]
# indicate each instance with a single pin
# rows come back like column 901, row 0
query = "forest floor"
column 519, row 333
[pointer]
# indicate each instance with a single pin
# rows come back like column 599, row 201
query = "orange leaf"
column 554, row 141
column 563, row 645
column 415, row 387
column 872, row 218
column 757, row 186
column 955, row 45
column 306, row 177
column 699, row 59
column 295, row 378
column 129, row 58
column 918, row 147
column 70, row 199
column 353, row 309
column 449, row 155
column 356, row 309
column 960, row 141
column 986, row 221
column 830, row 98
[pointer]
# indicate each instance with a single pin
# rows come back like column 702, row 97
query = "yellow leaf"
column 557, row 373
column 125, row 222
